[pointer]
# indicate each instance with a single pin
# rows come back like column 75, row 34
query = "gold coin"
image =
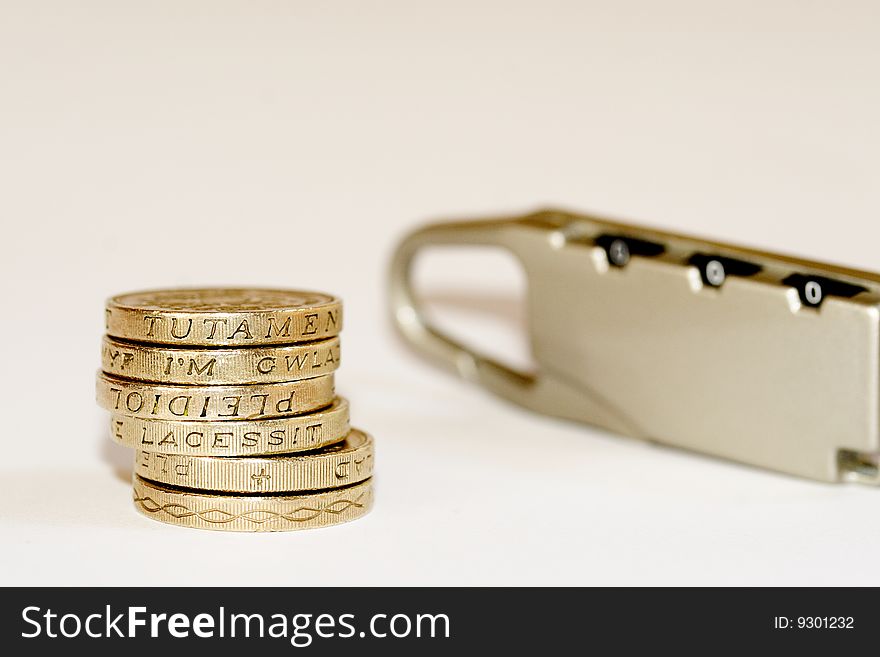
column 223, row 317
column 252, row 513
column 244, row 365
column 297, row 433
column 347, row 462
column 213, row 403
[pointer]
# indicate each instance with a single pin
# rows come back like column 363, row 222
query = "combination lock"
column 743, row 354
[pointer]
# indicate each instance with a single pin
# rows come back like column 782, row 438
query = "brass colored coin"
column 252, row 513
column 341, row 464
column 213, row 403
column 223, row 317
column 297, row 433
column 194, row 366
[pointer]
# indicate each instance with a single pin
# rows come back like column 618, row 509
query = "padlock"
column 743, row 354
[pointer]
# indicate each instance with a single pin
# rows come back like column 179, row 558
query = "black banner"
column 435, row 621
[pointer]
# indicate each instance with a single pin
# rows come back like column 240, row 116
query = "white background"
column 293, row 143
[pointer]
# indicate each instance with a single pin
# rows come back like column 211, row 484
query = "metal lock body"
column 743, row 354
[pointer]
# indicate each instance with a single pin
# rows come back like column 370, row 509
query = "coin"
column 213, row 403
column 252, row 513
column 163, row 364
column 296, row 433
column 223, row 317
column 343, row 463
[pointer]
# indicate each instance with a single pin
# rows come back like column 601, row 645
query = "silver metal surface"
column 743, row 354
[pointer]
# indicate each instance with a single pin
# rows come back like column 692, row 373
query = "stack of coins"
column 228, row 397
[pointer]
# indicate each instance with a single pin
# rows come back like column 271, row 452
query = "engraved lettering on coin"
column 292, row 433
column 219, row 317
column 162, row 364
column 339, row 464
